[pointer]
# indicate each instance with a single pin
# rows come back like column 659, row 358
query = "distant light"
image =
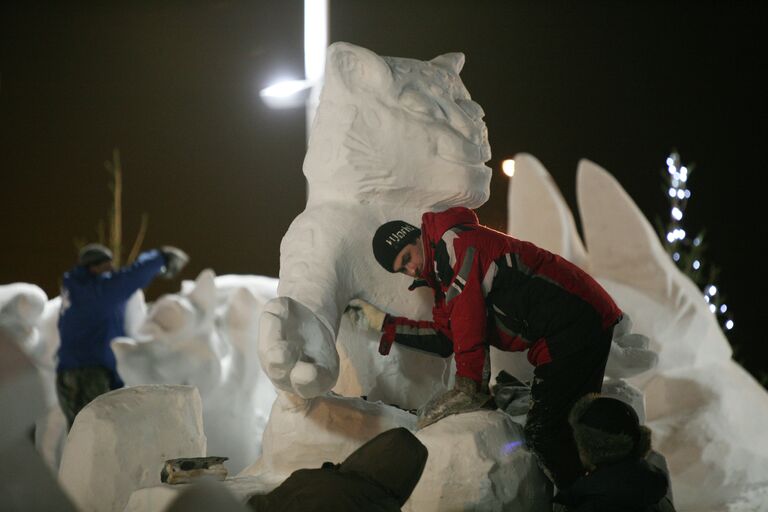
column 712, row 290
column 676, row 213
column 671, row 237
column 676, row 256
column 687, row 194
column 723, row 308
column 670, row 162
column 508, row 166
column 697, row 241
column 712, row 308
column 680, row 193
column 729, row 324
column 679, row 233
column 696, row 265
column 284, row 89
column 286, row 94
column 706, row 299
column 672, row 192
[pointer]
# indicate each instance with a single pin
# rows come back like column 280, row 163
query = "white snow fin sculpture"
column 392, row 138
column 624, row 249
column 532, row 189
column 706, row 413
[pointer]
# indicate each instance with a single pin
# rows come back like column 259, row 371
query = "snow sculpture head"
column 397, row 130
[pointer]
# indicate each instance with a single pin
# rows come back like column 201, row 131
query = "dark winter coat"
column 93, row 312
column 378, row 477
column 632, row 485
column 492, row 288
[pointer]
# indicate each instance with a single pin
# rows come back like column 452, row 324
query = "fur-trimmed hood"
column 598, row 446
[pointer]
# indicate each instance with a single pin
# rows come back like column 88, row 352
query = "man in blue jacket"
column 93, row 300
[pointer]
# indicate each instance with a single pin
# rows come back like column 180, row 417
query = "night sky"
column 174, row 85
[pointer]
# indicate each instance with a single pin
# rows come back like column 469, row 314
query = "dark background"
column 175, row 86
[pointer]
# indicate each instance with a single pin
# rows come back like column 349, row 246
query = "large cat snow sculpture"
column 392, row 138
column 707, row 414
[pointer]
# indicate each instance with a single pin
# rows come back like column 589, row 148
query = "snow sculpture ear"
column 453, row 62
column 538, row 213
column 242, row 309
column 356, row 68
column 204, row 294
column 621, row 242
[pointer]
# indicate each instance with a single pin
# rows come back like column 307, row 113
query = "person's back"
column 93, row 301
column 613, row 447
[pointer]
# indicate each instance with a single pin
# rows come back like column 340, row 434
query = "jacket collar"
column 433, row 225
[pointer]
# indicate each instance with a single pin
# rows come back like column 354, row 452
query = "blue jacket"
column 93, row 312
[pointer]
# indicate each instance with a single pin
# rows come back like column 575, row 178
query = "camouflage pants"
column 556, row 387
column 76, row 388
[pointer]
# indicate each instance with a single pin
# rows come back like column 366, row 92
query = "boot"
column 466, row 396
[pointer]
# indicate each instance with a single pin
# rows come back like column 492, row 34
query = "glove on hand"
column 175, row 260
column 373, row 315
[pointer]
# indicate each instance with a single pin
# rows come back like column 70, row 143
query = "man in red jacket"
column 492, row 289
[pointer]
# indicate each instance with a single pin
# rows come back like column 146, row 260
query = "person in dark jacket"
column 613, row 447
column 492, row 289
column 93, row 300
column 377, row 477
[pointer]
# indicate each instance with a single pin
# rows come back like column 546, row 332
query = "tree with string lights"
column 686, row 252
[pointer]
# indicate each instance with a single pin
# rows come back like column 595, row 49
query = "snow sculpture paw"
column 296, row 349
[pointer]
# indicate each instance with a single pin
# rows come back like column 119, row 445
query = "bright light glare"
column 508, row 166
column 284, row 89
column 315, row 37
column 672, row 192
column 729, row 324
column 723, row 308
column 696, row 265
column 712, row 290
column 712, row 308
column 676, row 213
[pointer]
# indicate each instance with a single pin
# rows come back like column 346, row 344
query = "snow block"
column 478, row 461
column 305, row 433
column 120, row 441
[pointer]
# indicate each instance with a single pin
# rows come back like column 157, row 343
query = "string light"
column 685, row 252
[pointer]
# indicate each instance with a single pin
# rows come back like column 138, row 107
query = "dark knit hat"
column 93, row 254
column 608, row 430
column 390, row 239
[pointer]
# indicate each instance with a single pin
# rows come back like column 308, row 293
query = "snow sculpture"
column 25, row 482
column 119, row 442
column 707, row 414
column 205, row 336
column 392, row 138
column 484, row 469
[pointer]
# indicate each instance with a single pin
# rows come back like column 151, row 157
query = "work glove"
column 373, row 316
column 175, row 260
column 466, row 396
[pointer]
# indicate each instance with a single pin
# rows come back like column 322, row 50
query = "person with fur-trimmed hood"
column 613, row 447
column 492, row 289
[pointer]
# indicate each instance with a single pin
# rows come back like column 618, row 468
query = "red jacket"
column 493, row 289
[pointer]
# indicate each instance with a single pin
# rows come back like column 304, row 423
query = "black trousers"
column 555, row 389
